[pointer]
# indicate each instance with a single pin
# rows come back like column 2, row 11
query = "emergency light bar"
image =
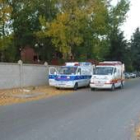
column 72, row 63
column 110, row 63
column 78, row 64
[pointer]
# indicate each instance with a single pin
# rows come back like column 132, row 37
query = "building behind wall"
column 28, row 55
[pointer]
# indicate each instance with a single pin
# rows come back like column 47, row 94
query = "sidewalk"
column 19, row 95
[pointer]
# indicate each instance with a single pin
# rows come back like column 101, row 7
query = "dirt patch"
column 19, row 95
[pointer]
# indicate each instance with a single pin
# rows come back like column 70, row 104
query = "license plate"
column 61, row 83
column 99, row 83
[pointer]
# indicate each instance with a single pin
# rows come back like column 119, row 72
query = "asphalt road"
column 82, row 115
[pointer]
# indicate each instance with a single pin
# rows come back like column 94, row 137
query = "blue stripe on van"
column 52, row 76
column 71, row 78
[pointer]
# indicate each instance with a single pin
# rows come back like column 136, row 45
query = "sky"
column 133, row 19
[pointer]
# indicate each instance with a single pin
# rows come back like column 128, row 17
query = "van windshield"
column 68, row 70
column 103, row 71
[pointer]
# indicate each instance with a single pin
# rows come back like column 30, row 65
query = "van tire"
column 88, row 85
column 122, row 85
column 113, row 87
column 92, row 89
column 76, row 86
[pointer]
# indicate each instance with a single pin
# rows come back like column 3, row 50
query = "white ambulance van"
column 108, row 75
column 72, row 75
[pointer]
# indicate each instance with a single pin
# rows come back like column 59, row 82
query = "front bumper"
column 101, row 86
column 65, row 84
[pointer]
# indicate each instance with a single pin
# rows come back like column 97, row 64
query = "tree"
column 5, row 37
column 95, row 33
column 25, row 22
column 5, row 13
column 25, row 17
column 120, row 50
column 46, row 10
column 135, row 49
column 84, row 29
column 79, row 28
column 117, row 16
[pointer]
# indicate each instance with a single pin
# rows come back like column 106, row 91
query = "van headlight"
column 91, row 80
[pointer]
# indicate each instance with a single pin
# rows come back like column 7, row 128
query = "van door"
column 117, row 77
column 79, row 78
column 52, row 75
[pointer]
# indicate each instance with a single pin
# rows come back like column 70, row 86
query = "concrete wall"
column 16, row 75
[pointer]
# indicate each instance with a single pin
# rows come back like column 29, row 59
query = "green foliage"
column 118, row 14
column 5, row 42
column 5, row 13
column 84, row 29
column 24, row 23
column 118, row 46
column 65, row 33
column 135, row 49
column 7, row 50
column 80, row 26
column 9, row 54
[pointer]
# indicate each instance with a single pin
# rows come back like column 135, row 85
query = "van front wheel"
column 76, row 86
column 113, row 87
column 122, row 85
column 92, row 89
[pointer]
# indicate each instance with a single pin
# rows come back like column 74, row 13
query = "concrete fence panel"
column 34, row 75
column 22, row 75
column 9, row 76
